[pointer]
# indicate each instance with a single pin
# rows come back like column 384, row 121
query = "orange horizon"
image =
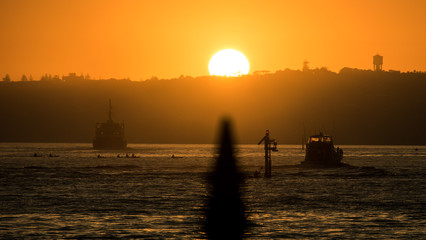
column 255, row 73
column 138, row 40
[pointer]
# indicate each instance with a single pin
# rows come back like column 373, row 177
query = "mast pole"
column 267, row 156
column 268, row 152
column 110, row 111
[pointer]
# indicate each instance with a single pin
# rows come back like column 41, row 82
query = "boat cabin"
column 320, row 152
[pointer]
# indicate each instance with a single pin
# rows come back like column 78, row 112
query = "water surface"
column 78, row 195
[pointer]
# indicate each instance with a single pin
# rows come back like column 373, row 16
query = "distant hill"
column 356, row 106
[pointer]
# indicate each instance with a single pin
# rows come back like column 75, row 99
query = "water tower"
column 377, row 62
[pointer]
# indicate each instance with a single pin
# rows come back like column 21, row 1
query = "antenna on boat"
column 110, row 111
column 334, row 131
column 304, row 137
column 270, row 145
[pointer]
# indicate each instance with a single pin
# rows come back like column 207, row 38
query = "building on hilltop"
column 377, row 63
column 73, row 77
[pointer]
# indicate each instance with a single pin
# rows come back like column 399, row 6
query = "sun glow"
column 228, row 62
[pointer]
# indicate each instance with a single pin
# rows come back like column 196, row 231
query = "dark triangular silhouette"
column 225, row 213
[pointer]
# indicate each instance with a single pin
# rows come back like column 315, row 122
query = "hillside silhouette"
column 356, row 106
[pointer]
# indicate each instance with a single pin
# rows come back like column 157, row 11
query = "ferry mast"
column 110, row 111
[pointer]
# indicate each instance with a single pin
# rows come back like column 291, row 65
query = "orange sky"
column 140, row 39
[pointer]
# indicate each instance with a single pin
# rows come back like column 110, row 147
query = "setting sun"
column 228, row 62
